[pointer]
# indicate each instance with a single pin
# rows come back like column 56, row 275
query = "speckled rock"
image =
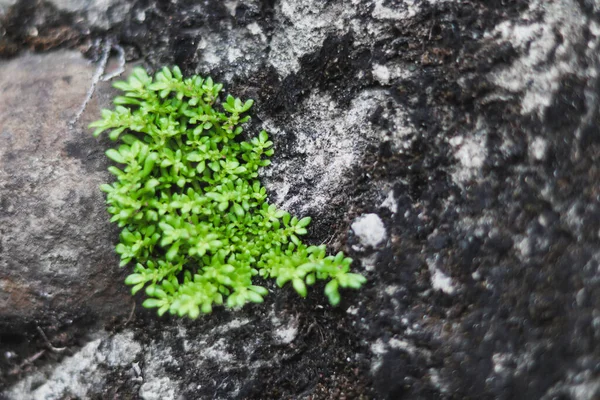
column 83, row 373
column 98, row 13
column 469, row 128
column 5, row 4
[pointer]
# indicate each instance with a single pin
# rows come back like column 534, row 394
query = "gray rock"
column 99, row 13
column 83, row 373
column 158, row 389
column 120, row 351
column 369, row 229
column 5, row 4
column 56, row 247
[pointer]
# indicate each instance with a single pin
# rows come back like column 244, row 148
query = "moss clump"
column 195, row 219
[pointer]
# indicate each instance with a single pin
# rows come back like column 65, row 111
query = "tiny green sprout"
column 194, row 217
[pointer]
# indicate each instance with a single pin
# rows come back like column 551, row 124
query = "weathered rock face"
column 449, row 147
column 56, row 257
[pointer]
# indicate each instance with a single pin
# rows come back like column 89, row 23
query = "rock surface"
column 467, row 131
column 56, row 247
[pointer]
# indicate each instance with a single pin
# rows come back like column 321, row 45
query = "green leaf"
column 259, row 289
column 152, row 303
column 194, row 311
column 134, row 279
column 206, row 308
column 163, row 309
column 126, row 100
column 177, row 72
column 299, row 286
column 233, row 300
column 303, row 222
column 137, row 288
column 331, row 287
column 334, row 298
column 331, row 291
column 263, row 136
column 114, row 134
column 106, row 188
column 115, row 156
column 98, row 131
column 295, row 239
column 238, row 209
column 151, row 184
column 247, row 105
column 355, row 281
column 254, row 297
column 173, row 251
column 121, row 85
column 194, row 157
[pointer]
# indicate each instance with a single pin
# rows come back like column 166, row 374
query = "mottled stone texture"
column 468, row 130
column 56, row 246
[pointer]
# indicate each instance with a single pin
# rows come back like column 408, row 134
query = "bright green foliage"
column 194, row 217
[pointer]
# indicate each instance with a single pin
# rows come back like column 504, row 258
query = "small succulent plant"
column 194, row 217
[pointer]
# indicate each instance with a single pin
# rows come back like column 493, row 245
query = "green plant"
column 194, row 217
